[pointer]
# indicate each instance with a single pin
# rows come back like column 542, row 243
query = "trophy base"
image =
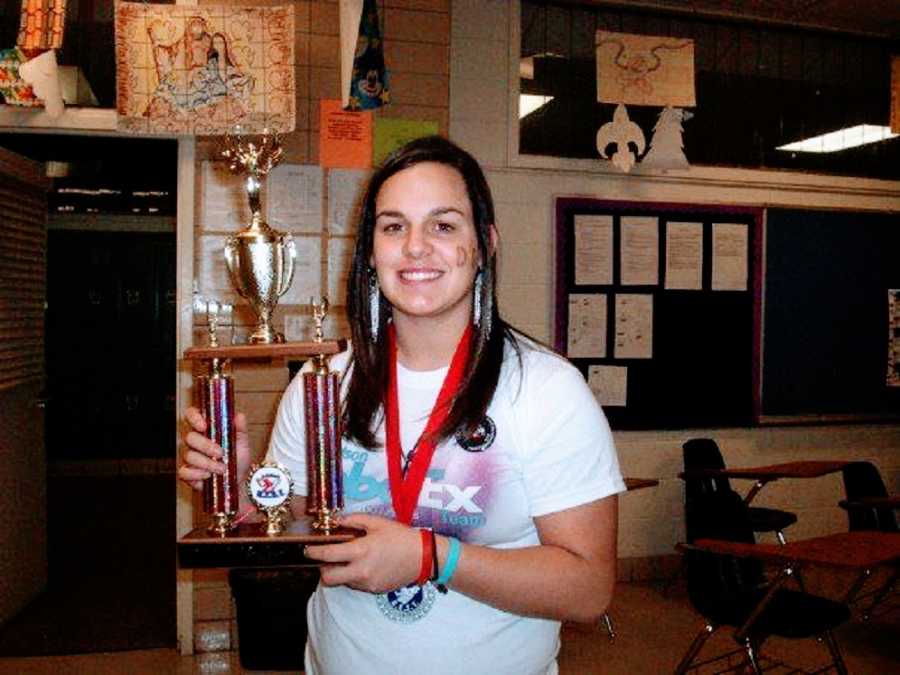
column 248, row 545
column 325, row 521
column 221, row 524
column 265, row 336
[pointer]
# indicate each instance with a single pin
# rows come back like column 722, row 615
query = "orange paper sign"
column 345, row 137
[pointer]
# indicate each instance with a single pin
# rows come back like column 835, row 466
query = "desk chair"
column 863, row 480
column 704, row 453
column 732, row 591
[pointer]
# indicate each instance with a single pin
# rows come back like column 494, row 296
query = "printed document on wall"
column 295, row 198
column 587, row 325
column 223, row 202
column 609, row 385
column 684, row 256
column 634, row 326
column 729, row 257
column 640, row 251
column 345, row 192
column 593, row 250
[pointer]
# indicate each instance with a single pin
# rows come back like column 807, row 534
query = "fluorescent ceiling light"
column 842, row 139
column 528, row 103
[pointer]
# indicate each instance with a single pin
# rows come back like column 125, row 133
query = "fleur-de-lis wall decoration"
column 621, row 132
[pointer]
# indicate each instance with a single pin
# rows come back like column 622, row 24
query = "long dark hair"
column 368, row 379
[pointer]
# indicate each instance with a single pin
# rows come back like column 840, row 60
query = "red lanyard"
column 406, row 486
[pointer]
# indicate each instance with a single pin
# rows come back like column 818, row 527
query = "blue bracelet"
column 449, row 565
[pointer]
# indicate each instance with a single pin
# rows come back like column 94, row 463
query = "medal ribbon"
column 405, row 488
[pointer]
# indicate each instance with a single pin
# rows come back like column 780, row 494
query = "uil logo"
column 479, row 438
column 268, row 484
column 407, row 604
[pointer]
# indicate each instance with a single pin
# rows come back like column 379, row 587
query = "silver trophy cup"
column 260, row 259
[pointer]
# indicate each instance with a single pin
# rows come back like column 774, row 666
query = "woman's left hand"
column 388, row 557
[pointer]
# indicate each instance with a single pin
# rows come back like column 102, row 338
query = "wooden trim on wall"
column 186, row 210
column 184, row 509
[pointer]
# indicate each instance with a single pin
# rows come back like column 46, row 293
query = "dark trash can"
column 271, row 615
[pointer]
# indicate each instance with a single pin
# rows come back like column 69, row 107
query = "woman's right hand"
column 202, row 457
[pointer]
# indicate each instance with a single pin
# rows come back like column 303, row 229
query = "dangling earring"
column 374, row 305
column 476, row 303
column 488, row 313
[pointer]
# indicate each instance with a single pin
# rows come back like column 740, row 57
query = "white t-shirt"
column 545, row 447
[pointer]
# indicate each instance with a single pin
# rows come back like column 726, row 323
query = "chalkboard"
column 703, row 368
column 825, row 319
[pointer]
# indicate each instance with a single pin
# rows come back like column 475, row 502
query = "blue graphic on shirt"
column 456, row 504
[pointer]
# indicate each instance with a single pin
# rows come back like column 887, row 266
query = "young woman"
column 457, row 425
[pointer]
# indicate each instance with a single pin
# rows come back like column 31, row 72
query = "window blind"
column 23, row 274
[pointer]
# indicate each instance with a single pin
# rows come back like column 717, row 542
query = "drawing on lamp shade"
column 204, row 70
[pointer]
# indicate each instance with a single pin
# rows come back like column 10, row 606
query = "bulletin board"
column 657, row 305
column 684, row 316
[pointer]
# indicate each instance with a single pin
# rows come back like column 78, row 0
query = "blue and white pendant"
column 407, row 604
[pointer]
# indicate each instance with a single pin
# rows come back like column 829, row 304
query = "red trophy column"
column 325, row 490
column 325, row 479
column 220, row 493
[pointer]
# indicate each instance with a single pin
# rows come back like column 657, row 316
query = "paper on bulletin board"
column 609, row 385
column 729, row 257
column 634, row 326
column 295, row 198
column 392, row 133
column 639, row 251
column 345, row 192
column 684, row 256
column 593, row 250
column 345, row 137
column 587, row 326
column 645, row 70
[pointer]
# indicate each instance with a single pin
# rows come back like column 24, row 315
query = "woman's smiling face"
column 425, row 248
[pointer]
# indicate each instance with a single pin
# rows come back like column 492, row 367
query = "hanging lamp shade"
column 42, row 25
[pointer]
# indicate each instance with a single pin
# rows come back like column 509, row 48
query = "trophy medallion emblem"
column 260, row 259
column 270, row 488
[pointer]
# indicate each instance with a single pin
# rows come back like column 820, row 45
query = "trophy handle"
column 290, row 256
column 231, row 262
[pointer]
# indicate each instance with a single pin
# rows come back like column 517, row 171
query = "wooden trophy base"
column 248, row 545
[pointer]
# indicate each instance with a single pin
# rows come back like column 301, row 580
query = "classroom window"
column 758, row 87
